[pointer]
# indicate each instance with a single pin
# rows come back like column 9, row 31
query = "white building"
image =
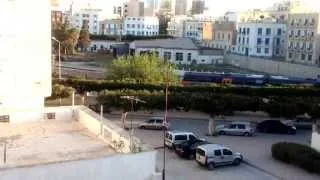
column 111, row 27
column 90, row 16
column 178, row 51
column 141, row 26
column 25, row 67
column 261, row 39
column 176, row 26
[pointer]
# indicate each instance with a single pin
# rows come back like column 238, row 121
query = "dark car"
column 188, row 148
column 276, row 126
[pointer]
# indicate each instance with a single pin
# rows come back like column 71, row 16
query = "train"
column 202, row 78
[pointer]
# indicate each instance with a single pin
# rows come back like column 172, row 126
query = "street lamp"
column 59, row 55
column 132, row 99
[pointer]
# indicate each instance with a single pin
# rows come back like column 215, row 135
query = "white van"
column 177, row 137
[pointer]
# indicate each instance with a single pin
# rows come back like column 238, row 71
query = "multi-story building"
column 57, row 17
column 261, row 39
column 151, row 7
column 133, row 8
column 179, row 7
column 117, row 10
column 88, row 16
column 198, row 7
column 303, row 39
column 141, row 26
column 198, row 30
column 176, row 26
column 223, row 35
column 111, row 27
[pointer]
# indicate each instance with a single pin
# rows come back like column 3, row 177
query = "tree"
column 84, row 37
column 67, row 35
column 142, row 69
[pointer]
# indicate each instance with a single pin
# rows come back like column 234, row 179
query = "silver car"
column 213, row 155
column 237, row 128
column 154, row 123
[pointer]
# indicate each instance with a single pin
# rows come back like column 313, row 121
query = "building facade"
column 261, row 39
column 25, row 82
column 223, row 35
column 179, row 7
column 198, row 30
column 176, row 26
column 141, row 26
column 198, row 7
column 133, row 8
column 89, row 16
column 111, row 27
column 57, row 17
column 178, row 51
column 303, row 39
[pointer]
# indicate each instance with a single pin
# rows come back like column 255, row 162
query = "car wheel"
column 211, row 166
column 191, row 156
column 246, row 134
column 236, row 162
column 142, row 127
column 222, row 133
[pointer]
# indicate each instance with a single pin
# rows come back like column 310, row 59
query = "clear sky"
column 217, row 7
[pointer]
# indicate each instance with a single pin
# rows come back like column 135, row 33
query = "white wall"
column 146, row 25
column 139, row 166
column 98, row 43
column 315, row 141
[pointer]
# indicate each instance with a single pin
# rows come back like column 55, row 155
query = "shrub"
column 60, row 91
column 300, row 155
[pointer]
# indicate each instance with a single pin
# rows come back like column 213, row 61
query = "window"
column 232, row 126
column 159, row 121
column 259, row 31
column 259, row 41
column 181, row 137
column 277, row 51
column 303, row 56
column 167, row 55
column 192, row 137
column 227, row 152
column 247, row 40
column 248, row 30
column 312, row 33
column 138, row 26
column 299, row 33
column 239, row 30
column 268, row 31
column 128, row 25
column 241, row 126
column 310, row 46
column 259, row 50
column 217, row 152
column 179, row 56
column 278, row 41
column 133, row 25
column 244, row 31
column 279, row 32
column 189, row 56
column 222, row 36
column 305, row 21
column 243, row 40
column 290, row 55
column 309, row 57
column 239, row 40
column 266, row 50
column 267, row 42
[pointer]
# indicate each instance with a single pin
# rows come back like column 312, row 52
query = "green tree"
column 84, row 37
column 142, row 69
column 67, row 35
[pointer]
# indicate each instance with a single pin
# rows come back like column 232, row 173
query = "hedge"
column 302, row 156
column 127, row 37
column 96, row 85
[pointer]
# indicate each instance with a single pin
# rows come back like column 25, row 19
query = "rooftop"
column 49, row 142
column 179, row 43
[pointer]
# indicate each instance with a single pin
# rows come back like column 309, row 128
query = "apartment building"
column 176, row 26
column 198, row 30
column 57, row 17
column 111, row 27
column 89, row 16
column 141, row 26
column 133, row 8
column 303, row 39
column 198, row 7
column 223, row 35
column 179, row 7
column 261, row 39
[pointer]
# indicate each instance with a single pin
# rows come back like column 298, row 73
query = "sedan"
column 276, row 126
column 188, row 148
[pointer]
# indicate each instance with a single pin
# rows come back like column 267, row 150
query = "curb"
column 157, row 115
column 262, row 170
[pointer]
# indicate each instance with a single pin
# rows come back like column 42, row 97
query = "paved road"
column 256, row 150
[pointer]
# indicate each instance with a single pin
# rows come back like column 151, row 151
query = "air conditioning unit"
column 50, row 116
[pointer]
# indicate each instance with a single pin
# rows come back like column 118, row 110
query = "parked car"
column 302, row 123
column 213, row 155
column 188, row 149
column 276, row 126
column 174, row 138
column 237, row 128
column 154, row 123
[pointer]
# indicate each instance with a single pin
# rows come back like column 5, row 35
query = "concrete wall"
column 315, row 138
column 272, row 67
column 139, row 166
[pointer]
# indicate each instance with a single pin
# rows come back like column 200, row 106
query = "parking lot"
column 256, row 151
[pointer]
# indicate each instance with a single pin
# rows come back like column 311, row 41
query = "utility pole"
column 164, row 123
column 59, row 55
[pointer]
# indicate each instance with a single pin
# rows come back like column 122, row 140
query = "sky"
column 217, row 7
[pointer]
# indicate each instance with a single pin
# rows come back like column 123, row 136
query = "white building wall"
column 25, row 67
column 96, row 45
column 247, row 43
column 141, row 26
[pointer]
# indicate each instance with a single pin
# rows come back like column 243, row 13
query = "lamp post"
column 132, row 99
column 59, row 55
